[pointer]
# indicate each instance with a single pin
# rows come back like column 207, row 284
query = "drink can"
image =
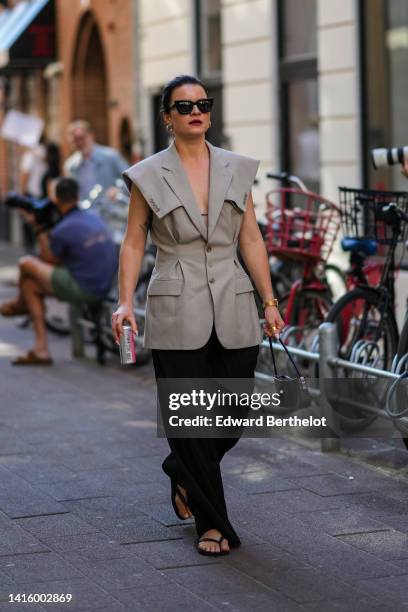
column 127, row 344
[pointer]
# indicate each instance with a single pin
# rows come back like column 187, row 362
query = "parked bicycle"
column 373, row 222
column 285, row 272
column 302, row 228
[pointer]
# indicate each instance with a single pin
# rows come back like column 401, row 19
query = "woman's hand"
column 273, row 322
column 124, row 311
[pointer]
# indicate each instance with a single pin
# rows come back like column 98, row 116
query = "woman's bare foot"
column 183, row 509
column 213, row 547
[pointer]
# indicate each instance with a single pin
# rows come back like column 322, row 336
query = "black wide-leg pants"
column 194, row 463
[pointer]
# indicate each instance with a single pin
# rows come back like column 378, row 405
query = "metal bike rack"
column 329, row 362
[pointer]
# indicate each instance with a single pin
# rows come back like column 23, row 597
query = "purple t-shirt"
column 82, row 241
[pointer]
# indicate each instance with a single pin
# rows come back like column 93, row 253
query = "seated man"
column 77, row 263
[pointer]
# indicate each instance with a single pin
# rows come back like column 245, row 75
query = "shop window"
column 209, row 51
column 300, row 148
column 208, row 55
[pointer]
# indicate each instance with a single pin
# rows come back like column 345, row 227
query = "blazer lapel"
column 177, row 179
column 220, row 180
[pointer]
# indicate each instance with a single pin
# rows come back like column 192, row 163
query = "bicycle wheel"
column 310, row 309
column 357, row 317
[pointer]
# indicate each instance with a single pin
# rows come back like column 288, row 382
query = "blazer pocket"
column 172, row 286
column 162, row 298
column 243, row 284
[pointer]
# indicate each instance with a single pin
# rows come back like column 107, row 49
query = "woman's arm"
column 255, row 256
column 130, row 259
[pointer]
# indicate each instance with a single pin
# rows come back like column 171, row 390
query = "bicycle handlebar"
column 280, row 176
column 394, row 208
column 285, row 177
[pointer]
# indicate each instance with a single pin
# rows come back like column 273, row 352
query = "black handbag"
column 293, row 391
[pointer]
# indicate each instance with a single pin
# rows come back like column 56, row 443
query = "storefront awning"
column 13, row 22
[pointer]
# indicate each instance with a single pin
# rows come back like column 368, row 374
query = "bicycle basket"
column 301, row 225
column 362, row 214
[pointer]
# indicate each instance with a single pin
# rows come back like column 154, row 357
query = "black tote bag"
column 294, row 393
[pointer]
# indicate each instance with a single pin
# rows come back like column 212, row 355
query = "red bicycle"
column 302, row 227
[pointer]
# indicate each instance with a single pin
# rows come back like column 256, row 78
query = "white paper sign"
column 22, row 128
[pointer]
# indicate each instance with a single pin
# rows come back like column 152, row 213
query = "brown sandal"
column 12, row 309
column 31, row 358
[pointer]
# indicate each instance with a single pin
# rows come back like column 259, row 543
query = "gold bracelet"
column 272, row 302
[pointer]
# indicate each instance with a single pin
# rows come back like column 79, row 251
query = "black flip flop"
column 207, row 552
column 176, row 491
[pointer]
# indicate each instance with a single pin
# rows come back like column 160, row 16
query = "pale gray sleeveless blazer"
column 197, row 279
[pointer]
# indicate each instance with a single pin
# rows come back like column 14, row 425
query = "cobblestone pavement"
column 85, row 506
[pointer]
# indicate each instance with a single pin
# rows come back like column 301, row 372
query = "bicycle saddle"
column 367, row 246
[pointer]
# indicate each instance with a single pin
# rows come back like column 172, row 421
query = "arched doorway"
column 89, row 80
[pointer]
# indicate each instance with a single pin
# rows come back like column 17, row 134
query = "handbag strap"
column 299, row 375
column 273, row 356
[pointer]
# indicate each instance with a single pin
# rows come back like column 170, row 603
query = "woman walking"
column 201, row 316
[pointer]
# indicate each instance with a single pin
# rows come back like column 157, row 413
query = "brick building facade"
column 95, row 46
column 90, row 76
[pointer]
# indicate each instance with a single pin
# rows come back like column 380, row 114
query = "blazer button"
column 209, row 248
column 212, row 280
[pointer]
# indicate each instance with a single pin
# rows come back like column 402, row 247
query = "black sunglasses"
column 185, row 107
